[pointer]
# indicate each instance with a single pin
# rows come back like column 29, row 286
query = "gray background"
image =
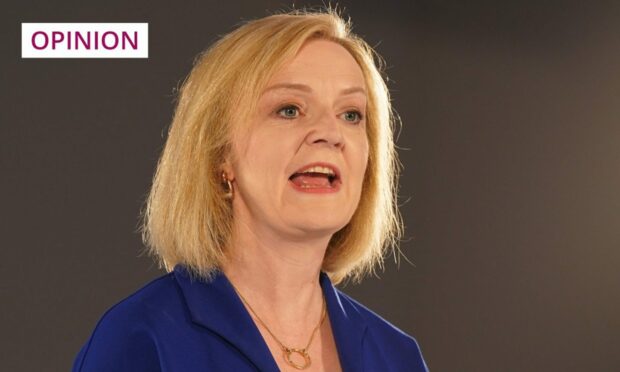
column 510, row 193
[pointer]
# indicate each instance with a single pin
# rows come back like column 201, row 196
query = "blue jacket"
column 175, row 324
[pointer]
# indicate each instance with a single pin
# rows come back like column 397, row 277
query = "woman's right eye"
column 289, row 112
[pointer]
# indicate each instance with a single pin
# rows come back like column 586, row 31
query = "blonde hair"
column 187, row 220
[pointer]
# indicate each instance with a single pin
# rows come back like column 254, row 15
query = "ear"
column 228, row 169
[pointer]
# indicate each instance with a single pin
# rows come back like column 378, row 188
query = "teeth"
column 318, row 169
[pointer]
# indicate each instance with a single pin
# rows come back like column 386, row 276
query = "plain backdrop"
column 510, row 143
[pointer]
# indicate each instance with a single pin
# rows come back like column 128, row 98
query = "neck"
column 279, row 278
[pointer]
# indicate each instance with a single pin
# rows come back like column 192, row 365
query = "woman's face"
column 298, row 167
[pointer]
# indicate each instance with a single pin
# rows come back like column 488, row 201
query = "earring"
column 230, row 191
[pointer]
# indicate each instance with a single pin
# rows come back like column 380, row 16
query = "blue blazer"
column 175, row 324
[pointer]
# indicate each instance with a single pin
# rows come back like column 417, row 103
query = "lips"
column 317, row 177
column 319, row 169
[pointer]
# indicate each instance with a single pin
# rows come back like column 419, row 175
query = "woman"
column 277, row 180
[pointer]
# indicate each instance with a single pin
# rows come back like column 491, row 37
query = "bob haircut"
column 187, row 219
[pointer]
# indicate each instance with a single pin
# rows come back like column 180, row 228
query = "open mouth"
column 316, row 177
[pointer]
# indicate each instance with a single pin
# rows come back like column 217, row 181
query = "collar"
column 215, row 305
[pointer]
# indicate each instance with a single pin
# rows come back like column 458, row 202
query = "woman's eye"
column 289, row 112
column 352, row 116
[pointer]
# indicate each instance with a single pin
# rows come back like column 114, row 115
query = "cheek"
column 363, row 151
column 366, row 152
column 263, row 161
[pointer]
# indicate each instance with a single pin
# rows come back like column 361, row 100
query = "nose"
column 326, row 130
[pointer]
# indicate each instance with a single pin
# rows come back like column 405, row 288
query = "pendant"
column 288, row 353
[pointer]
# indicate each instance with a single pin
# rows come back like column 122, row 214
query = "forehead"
column 320, row 61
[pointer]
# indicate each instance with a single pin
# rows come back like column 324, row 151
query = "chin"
column 320, row 224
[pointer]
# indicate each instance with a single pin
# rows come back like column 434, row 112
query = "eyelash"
column 360, row 116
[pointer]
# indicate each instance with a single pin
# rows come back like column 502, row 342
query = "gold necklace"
column 289, row 351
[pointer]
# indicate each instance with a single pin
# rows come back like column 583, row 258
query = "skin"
column 280, row 234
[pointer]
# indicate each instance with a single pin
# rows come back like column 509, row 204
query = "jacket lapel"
column 348, row 326
column 216, row 306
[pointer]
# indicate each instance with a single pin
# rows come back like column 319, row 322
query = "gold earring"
column 230, row 191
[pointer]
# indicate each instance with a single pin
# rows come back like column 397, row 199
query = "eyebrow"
column 307, row 89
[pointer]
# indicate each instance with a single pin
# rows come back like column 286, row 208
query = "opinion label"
column 85, row 40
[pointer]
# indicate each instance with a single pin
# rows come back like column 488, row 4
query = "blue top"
column 178, row 324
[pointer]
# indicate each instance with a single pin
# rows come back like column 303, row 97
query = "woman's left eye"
column 353, row 116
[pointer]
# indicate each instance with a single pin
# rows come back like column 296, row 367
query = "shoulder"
column 124, row 338
column 143, row 307
column 385, row 335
